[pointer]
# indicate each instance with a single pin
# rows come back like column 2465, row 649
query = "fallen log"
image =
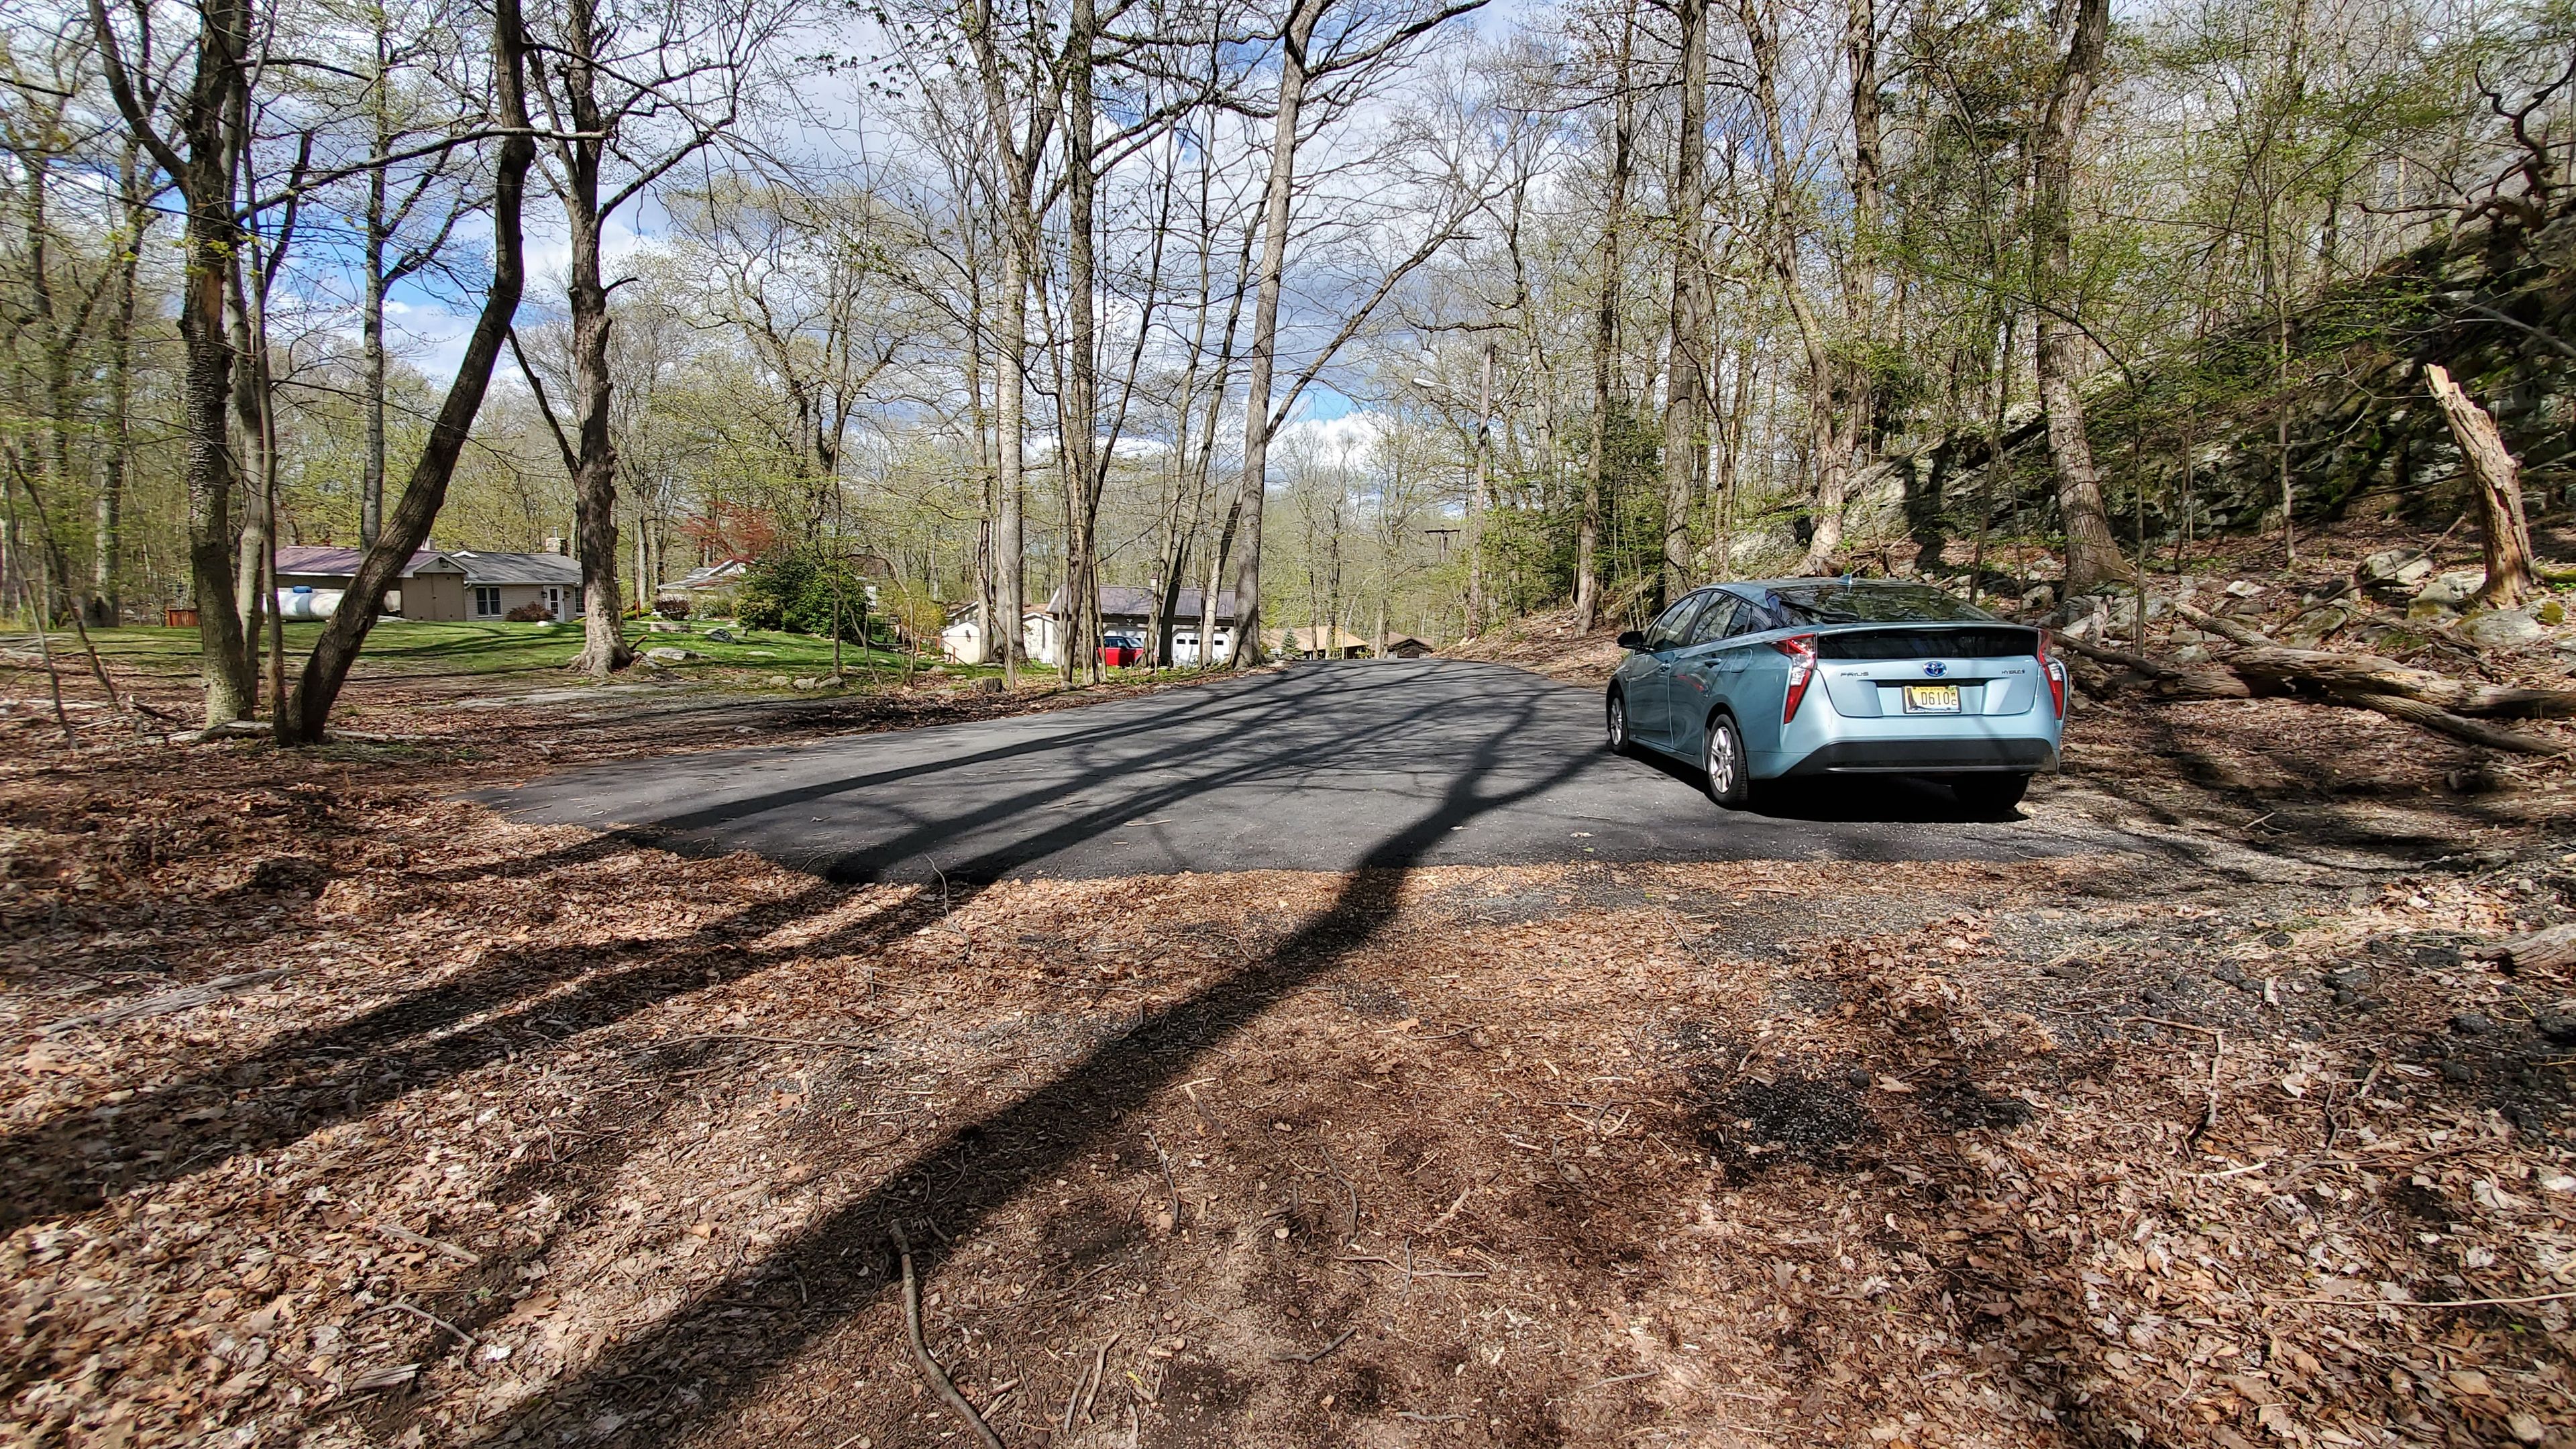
column 2441, row 721
column 2263, row 669
column 2167, row 679
column 2288, row 670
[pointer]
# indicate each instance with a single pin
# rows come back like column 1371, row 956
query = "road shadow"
column 1839, row 799
column 949, row 1188
column 531, row 999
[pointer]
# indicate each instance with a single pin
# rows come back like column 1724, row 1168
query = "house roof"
column 1305, row 638
column 1398, row 641
column 517, row 568
column 715, row 575
column 1120, row 601
column 328, row 561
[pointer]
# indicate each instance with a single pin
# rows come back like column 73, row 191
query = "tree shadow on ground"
column 1846, row 799
column 979, row 1167
column 529, row 1000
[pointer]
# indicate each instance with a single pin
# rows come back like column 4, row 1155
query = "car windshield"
column 1869, row 603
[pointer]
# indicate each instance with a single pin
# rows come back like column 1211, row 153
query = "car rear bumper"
column 2023, row 755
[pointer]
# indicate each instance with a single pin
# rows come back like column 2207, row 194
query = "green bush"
column 793, row 590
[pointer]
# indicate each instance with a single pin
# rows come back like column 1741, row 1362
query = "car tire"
column 1730, row 782
column 1620, row 741
column 1989, row 795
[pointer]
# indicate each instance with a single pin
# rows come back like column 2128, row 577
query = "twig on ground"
column 930, row 1370
column 1169, row 1185
column 1625, row 1378
column 1412, row 1272
column 1099, row 1370
column 405, row 1235
column 2431, row 1302
column 168, row 1002
column 803, row 1041
column 1335, row 1168
column 2209, row 1119
column 2335, row 1108
column 398, row 1306
column 1339, row 1339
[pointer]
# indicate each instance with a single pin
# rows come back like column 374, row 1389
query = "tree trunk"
column 202, row 166
column 2499, row 487
column 417, row 511
column 1078, row 408
column 2092, row 555
column 1010, row 456
column 594, row 471
column 371, row 483
column 108, row 548
column 1605, row 340
column 1282, row 182
column 1686, row 363
column 1480, row 490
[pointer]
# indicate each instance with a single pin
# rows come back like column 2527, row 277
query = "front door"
column 1650, row 685
column 1699, row 676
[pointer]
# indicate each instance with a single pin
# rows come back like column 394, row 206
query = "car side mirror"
column 1633, row 640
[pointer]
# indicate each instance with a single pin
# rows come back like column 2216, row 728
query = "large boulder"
column 2319, row 624
column 665, row 654
column 2394, row 570
column 2448, row 593
column 2502, row 628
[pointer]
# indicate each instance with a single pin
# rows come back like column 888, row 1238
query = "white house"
column 962, row 642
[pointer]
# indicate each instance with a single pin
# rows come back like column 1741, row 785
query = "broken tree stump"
column 2499, row 488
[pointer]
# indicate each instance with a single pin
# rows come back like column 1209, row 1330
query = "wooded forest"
column 1386, row 315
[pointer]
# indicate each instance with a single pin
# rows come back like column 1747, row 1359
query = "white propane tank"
column 306, row 602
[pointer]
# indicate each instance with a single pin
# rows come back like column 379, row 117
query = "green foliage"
column 803, row 590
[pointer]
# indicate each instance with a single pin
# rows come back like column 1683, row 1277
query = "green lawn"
column 400, row 647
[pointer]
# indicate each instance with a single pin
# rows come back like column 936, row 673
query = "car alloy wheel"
column 1618, row 725
column 1724, row 761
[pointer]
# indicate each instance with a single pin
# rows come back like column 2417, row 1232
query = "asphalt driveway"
column 1322, row 767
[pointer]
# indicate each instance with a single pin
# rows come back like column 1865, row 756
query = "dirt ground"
column 344, row 1112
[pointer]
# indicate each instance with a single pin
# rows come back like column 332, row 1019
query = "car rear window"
column 2001, row 642
column 1870, row 603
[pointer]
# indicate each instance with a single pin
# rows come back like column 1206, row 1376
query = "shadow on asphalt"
column 840, row 1266
column 1842, row 799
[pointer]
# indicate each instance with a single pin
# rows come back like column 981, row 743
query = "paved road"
column 1323, row 767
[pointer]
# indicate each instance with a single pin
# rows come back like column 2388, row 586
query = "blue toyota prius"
column 1797, row 677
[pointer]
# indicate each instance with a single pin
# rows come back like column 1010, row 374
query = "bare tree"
column 197, row 137
column 305, row 718
column 629, row 93
column 2092, row 555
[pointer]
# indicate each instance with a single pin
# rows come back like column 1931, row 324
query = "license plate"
column 1931, row 699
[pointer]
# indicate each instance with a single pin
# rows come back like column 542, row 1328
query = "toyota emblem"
column 1936, row 669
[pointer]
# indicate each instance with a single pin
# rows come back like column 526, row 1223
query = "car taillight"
column 2056, row 676
column 1801, row 650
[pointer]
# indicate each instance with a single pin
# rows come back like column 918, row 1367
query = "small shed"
column 1405, row 646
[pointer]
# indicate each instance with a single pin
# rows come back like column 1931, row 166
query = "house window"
column 487, row 602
